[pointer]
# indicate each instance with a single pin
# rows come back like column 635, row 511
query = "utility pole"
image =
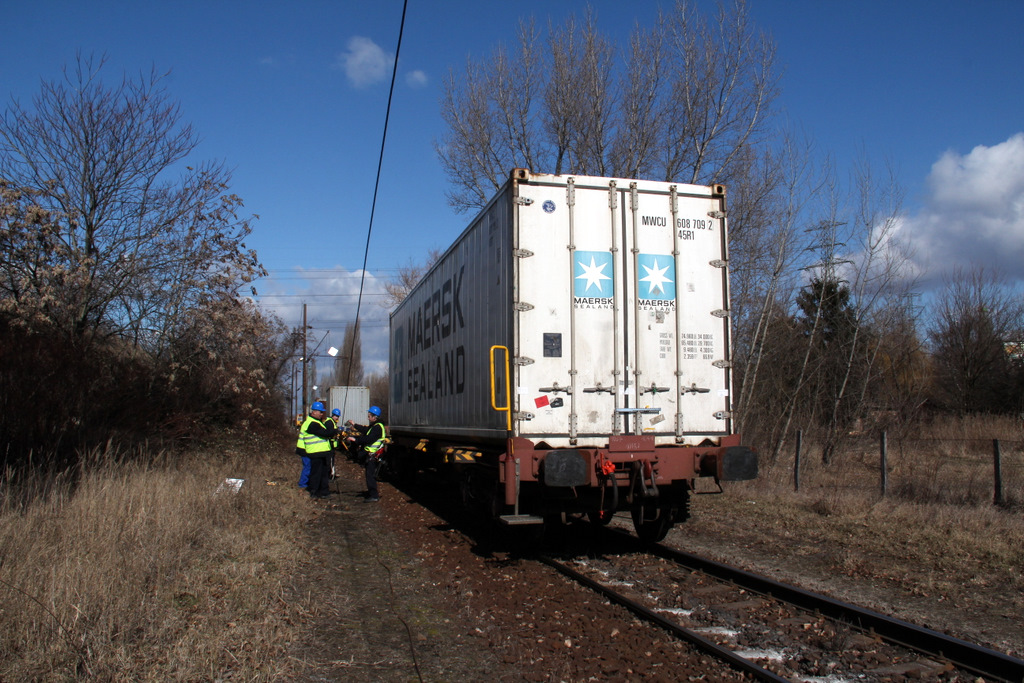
column 305, row 361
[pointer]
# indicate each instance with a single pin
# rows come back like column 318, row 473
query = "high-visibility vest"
column 375, row 447
column 312, row 443
column 331, row 424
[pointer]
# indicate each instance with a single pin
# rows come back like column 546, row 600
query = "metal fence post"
column 885, row 468
column 796, row 460
column 998, row 465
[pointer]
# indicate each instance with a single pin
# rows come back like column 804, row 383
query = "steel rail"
column 968, row 656
column 728, row 656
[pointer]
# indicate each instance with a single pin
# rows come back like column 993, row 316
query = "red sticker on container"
column 541, row 401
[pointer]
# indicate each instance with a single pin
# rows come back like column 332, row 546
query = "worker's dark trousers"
column 371, row 477
column 319, row 475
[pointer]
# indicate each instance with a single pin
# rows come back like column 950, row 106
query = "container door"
column 569, row 328
column 678, row 328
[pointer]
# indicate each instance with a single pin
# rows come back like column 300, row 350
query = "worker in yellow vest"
column 332, row 423
column 372, row 438
column 315, row 439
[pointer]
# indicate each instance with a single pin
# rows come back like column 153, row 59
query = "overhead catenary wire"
column 376, row 183
column 278, row 274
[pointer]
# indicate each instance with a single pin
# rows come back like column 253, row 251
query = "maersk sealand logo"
column 593, row 274
column 657, row 277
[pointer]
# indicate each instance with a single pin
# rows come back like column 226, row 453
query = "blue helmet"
column 318, row 405
column 374, row 410
column 336, row 413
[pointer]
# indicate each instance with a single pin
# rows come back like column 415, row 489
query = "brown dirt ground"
column 379, row 614
column 401, row 594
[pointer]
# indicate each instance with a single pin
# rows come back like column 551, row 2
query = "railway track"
column 776, row 632
column 753, row 624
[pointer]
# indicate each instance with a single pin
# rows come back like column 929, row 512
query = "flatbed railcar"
column 569, row 354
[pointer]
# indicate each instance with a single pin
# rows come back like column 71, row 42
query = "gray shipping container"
column 572, row 309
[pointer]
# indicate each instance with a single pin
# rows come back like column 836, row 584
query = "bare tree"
column 765, row 240
column 683, row 103
column 881, row 282
column 721, row 91
column 811, row 301
column 639, row 115
column 581, row 100
column 379, row 386
column 903, row 364
column 858, row 280
column 229, row 359
column 976, row 316
column 121, row 262
column 408, row 275
column 136, row 246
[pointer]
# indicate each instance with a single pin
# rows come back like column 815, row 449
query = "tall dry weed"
column 946, row 462
column 144, row 572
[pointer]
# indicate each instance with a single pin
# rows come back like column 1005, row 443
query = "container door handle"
column 507, row 408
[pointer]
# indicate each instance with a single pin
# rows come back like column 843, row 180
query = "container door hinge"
column 522, row 360
column 720, row 313
column 524, row 416
column 716, row 214
column 522, row 253
column 723, row 415
column 722, row 363
column 522, row 306
column 523, row 201
column 694, row 389
column 718, row 263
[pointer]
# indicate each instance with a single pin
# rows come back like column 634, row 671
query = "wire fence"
column 968, row 471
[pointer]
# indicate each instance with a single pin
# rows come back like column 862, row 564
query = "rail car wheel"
column 651, row 521
column 480, row 494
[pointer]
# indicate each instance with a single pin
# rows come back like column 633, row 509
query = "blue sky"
column 292, row 96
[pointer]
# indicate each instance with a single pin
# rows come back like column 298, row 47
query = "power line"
column 316, row 274
column 314, row 296
column 380, row 163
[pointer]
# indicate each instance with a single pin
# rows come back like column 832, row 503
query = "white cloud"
column 331, row 297
column 974, row 212
column 416, row 79
column 364, row 62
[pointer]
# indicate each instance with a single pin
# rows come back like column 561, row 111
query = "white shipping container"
column 353, row 402
column 611, row 299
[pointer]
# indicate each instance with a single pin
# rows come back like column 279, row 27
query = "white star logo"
column 656, row 278
column 593, row 275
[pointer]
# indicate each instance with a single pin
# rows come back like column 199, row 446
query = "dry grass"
column 949, row 462
column 935, row 538
column 145, row 573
